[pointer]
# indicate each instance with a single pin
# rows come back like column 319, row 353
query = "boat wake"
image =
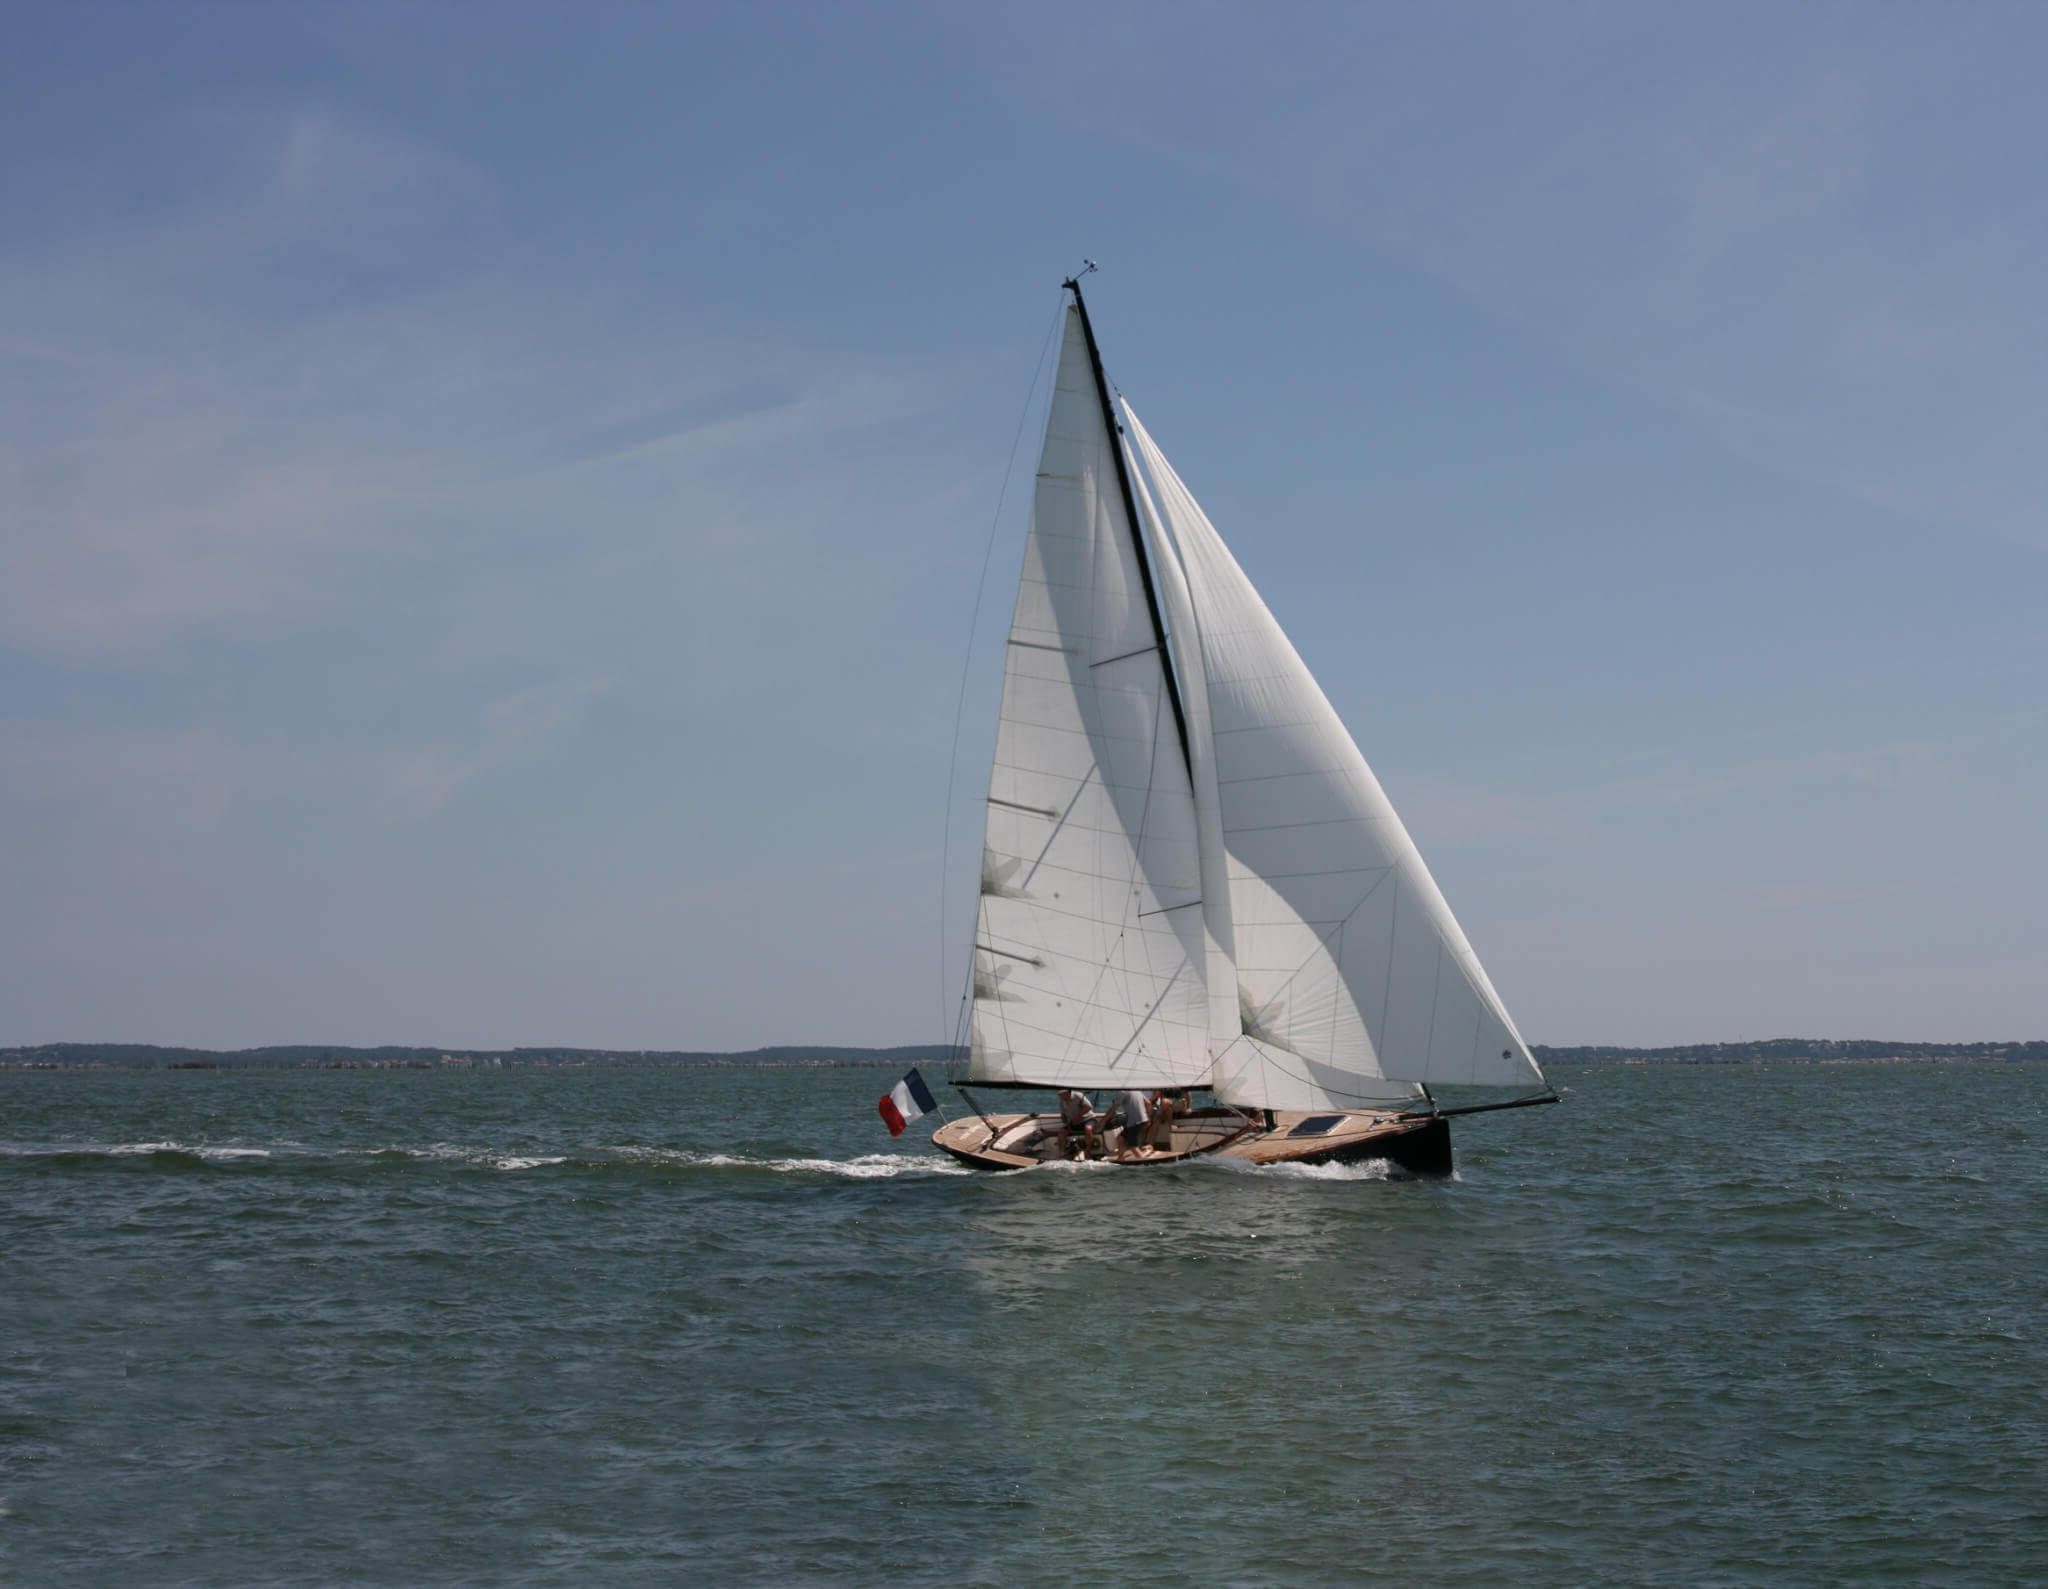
column 457, row 1153
column 861, row 1167
column 129, row 1150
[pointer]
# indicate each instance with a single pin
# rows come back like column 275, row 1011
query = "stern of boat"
column 1418, row 1145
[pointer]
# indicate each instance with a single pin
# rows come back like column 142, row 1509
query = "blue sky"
column 491, row 498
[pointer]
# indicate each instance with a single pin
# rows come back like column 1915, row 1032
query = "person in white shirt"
column 1136, row 1109
column 1077, row 1121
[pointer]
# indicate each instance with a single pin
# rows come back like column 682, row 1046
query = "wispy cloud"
column 201, row 777
column 234, row 412
column 1808, row 233
column 185, row 779
column 522, row 727
column 180, row 450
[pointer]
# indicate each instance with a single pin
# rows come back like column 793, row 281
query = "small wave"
column 198, row 1150
column 461, row 1153
column 127, row 1150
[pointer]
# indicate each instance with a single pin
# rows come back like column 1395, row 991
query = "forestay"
column 1089, row 945
column 1353, row 978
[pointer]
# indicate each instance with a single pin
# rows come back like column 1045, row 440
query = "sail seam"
column 1282, row 777
column 1033, row 1030
column 1328, row 871
column 1325, row 822
column 1081, row 734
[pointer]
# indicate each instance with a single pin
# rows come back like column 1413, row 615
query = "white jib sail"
column 1089, row 950
column 1225, row 1025
column 1354, row 979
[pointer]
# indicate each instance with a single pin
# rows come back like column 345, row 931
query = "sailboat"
column 1195, row 897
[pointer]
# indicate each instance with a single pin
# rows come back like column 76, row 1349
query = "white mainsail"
column 1089, row 945
column 1352, row 974
column 1225, row 900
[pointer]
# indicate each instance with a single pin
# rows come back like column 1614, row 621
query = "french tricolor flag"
column 908, row 1099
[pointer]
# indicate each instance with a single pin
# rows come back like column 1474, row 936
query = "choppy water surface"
column 1746, row 1325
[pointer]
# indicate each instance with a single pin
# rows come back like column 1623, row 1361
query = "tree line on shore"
column 1791, row 1050
column 322, row 1056
column 149, row 1056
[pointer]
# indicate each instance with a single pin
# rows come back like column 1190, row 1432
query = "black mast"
column 1123, row 479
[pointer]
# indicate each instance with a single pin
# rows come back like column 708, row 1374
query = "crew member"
column 1137, row 1113
column 1077, row 1117
column 1164, row 1108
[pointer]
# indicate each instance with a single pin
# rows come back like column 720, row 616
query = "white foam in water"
column 865, row 1167
column 125, row 1150
column 458, row 1153
column 1364, row 1170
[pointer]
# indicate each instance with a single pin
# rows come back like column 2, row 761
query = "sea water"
column 1740, row 1325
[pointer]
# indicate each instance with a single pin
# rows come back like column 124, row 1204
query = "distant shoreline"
column 147, row 1056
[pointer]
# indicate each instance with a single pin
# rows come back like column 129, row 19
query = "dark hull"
column 1417, row 1145
column 1424, row 1149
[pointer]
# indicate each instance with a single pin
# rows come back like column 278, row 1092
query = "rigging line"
column 1124, row 656
column 1058, row 826
column 1158, row 1003
column 967, row 660
column 1334, row 936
